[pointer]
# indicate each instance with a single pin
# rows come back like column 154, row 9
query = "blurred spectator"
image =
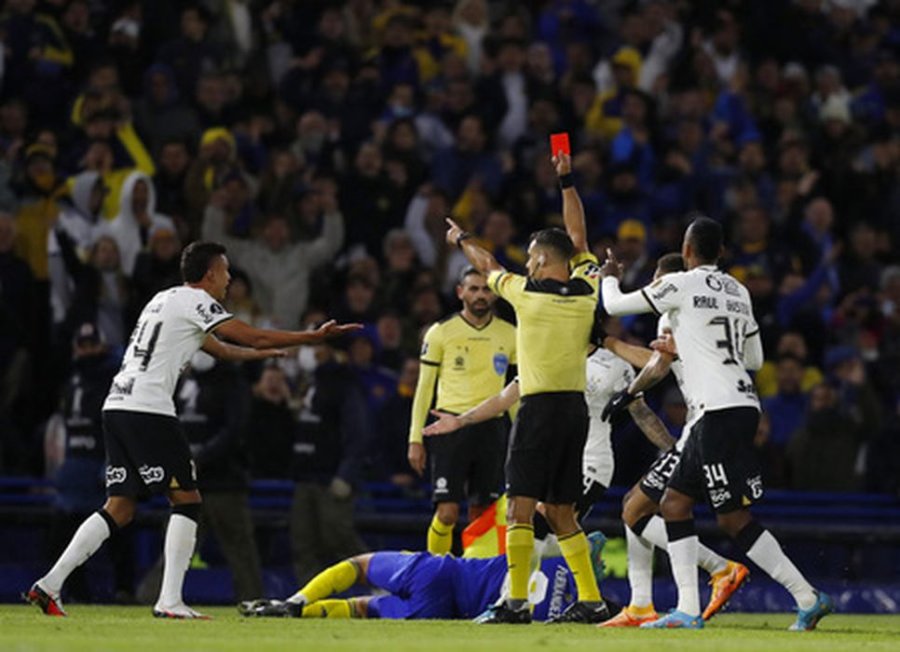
column 332, row 439
column 787, row 408
column 378, row 383
column 790, row 343
column 169, row 181
column 157, row 268
column 278, row 268
column 273, row 424
column 161, row 116
column 631, row 250
column 468, row 162
column 80, row 481
column 136, row 220
column 393, row 427
column 191, row 54
column 213, row 406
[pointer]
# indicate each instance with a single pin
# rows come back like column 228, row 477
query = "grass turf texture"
column 133, row 629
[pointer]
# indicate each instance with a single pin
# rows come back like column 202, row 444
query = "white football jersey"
column 711, row 317
column 169, row 331
column 606, row 375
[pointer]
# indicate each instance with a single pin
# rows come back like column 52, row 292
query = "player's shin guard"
column 519, row 544
column 329, row 609
column 95, row 529
column 682, row 549
column 440, row 537
column 766, row 552
column 576, row 551
column 333, row 579
column 181, row 536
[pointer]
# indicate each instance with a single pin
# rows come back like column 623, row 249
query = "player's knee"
column 561, row 519
column 674, row 507
column 520, row 511
column 179, row 497
column 448, row 513
column 120, row 510
column 733, row 522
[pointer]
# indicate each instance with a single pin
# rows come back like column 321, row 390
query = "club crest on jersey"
column 501, row 363
column 207, row 314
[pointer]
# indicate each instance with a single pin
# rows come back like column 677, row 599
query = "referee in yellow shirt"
column 467, row 355
column 555, row 305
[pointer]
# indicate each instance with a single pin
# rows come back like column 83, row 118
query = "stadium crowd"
column 325, row 142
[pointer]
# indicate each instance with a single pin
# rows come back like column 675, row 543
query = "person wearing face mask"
column 213, row 403
column 331, row 441
column 79, row 480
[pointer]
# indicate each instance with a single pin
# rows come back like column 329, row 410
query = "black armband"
column 465, row 235
column 566, row 180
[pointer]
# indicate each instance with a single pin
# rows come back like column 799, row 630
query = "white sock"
column 655, row 533
column 709, row 560
column 766, row 553
column 640, row 569
column 683, row 555
column 297, row 598
column 181, row 535
column 88, row 538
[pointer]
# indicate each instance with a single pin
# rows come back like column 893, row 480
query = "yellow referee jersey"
column 554, row 324
column 467, row 362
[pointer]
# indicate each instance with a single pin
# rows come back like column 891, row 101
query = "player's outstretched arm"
column 573, row 209
column 614, row 301
column 636, row 356
column 243, row 333
column 487, row 409
column 224, row 351
column 480, row 258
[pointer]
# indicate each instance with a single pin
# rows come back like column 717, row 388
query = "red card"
column 559, row 142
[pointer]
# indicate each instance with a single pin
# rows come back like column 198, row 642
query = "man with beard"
column 468, row 355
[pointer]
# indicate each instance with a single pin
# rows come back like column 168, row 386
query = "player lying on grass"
column 425, row 586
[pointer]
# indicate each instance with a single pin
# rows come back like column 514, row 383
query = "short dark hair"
column 197, row 258
column 705, row 237
column 555, row 239
column 466, row 273
column 669, row 263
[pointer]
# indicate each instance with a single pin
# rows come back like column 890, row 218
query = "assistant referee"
column 555, row 307
column 467, row 355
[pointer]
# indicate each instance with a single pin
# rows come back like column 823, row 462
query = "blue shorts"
column 421, row 585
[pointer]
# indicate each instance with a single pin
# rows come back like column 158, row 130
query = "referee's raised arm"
column 573, row 210
column 480, row 258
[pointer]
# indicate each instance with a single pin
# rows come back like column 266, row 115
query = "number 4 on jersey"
column 146, row 352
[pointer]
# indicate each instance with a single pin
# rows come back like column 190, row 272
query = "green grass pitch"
column 133, row 629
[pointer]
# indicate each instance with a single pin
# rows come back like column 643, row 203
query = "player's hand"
column 416, row 457
column 333, row 329
column 612, row 267
column 453, row 232
column 445, row 424
column 340, row 488
column 665, row 343
column 617, row 403
column 562, row 162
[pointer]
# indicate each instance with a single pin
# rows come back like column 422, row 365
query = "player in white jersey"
column 146, row 450
column 718, row 340
column 644, row 528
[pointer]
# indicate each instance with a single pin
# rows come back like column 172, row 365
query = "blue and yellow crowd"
column 325, row 142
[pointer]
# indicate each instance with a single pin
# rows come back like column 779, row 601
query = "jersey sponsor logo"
column 122, row 389
column 459, row 363
column 718, row 497
column 592, row 271
column 703, row 301
column 115, row 475
column 737, row 306
column 424, row 348
column 664, row 291
column 440, row 486
column 501, row 363
column 86, row 442
column 746, row 388
column 151, row 474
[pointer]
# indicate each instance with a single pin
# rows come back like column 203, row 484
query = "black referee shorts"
column 468, row 464
column 546, row 448
column 146, row 454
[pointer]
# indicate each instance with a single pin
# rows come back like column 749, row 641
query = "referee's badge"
column 501, row 363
